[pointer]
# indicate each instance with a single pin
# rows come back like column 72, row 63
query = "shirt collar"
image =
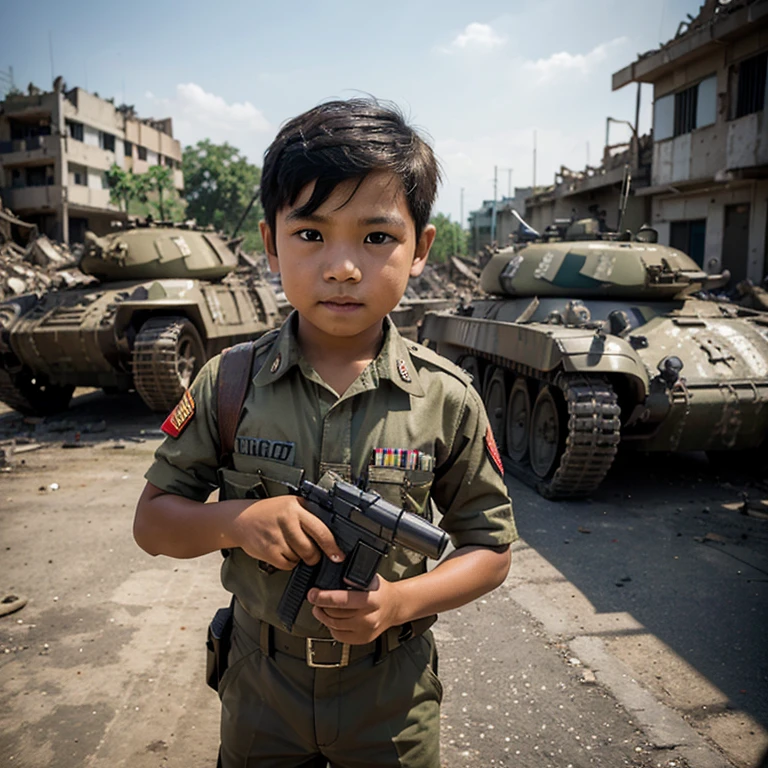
column 393, row 362
column 283, row 354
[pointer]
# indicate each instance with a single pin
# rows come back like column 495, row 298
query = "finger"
column 334, row 598
column 322, row 536
column 301, row 545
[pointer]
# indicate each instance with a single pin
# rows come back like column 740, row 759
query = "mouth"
column 341, row 304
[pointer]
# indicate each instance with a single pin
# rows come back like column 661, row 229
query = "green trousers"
column 277, row 712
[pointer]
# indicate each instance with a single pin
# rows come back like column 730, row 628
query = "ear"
column 269, row 246
column 422, row 250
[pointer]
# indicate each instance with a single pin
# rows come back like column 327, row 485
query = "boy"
column 347, row 190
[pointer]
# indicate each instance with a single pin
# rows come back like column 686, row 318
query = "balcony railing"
column 27, row 145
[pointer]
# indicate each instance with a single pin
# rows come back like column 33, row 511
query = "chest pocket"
column 408, row 489
column 263, row 480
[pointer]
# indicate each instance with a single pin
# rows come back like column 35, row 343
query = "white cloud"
column 198, row 114
column 476, row 36
column 563, row 62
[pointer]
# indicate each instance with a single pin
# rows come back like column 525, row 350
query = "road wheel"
column 167, row 355
column 472, row 366
column 546, row 435
column 33, row 395
column 518, row 420
column 495, row 399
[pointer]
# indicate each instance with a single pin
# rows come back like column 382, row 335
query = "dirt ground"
column 104, row 664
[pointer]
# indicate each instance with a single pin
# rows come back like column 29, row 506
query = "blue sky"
column 477, row 77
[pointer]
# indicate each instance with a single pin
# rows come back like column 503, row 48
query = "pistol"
column 364, row 526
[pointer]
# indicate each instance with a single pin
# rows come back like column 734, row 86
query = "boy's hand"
column 355, row 616
column 280, row 531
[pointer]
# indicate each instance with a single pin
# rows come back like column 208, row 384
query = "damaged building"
column 708, row 186
column 56, row 148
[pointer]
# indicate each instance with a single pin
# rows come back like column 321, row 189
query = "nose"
column 342, row 267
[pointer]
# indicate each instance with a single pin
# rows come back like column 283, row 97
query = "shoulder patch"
column 420, row 352
column 180, row 416
column 493, row 451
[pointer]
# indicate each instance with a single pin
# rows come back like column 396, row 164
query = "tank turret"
column 151, row 252
column 594, row 269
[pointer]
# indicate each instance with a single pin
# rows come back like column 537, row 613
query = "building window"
column 39, row 176
column 750, row 88
column 680, row 113
column 689, row 237
column 128, row 148
column 107, row 141
column 75, row 130
column 142, row 152
column 104, row 180
column 78, row 175
column 685, row 110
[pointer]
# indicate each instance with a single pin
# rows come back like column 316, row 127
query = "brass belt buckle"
column 343, row 661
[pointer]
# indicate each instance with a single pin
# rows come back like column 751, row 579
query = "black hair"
column 341, row 140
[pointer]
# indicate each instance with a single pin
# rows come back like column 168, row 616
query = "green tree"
column 219, row 184
column 450, row 240
column 141, row 194
column 123, row 187
column 158, row 192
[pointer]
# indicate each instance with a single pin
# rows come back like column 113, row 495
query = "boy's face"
column 345, row 266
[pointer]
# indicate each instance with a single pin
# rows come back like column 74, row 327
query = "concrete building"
column 485, row 227
column 596, row 192
column 55, row 150
column 709, row 171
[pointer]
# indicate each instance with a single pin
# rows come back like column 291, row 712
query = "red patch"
column 180, row 416
column 493, row 451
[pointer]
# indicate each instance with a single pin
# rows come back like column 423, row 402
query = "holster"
column 217, row 645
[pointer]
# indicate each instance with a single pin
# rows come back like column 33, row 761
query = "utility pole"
column 509, row 180
column 534, row 162
column 461, row 208
column 495, row 195
column 6, row 82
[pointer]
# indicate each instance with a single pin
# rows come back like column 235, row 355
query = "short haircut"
column 341, row 140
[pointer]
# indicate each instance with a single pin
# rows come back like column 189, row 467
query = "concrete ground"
column 630, row 631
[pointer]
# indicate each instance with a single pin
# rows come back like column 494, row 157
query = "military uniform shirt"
column 408, row 398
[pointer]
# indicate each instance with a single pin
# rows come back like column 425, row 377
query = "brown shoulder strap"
column 234, row 376
column 236, row 369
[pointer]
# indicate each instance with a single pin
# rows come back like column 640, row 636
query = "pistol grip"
column 301, row 581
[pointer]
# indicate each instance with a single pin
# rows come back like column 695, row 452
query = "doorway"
column 736, row 242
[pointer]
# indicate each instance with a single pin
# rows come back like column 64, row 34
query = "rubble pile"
column 30, row 262
column 454, row 278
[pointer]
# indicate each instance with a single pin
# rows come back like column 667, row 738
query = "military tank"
column 577, row 347
column 166, row 299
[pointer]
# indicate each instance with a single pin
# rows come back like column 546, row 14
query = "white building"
column 709, row 173
column 55, row 150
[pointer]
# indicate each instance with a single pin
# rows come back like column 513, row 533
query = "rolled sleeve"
column 187, row 465
column 470, row 491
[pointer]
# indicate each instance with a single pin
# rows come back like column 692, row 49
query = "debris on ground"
column 30, row 262
column 11, row 604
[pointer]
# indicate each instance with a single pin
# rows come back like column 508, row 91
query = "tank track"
column 591, row 442
column 12, row 396
column 155, row 375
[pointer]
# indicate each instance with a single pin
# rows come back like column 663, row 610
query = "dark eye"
column 378, row 238
column 310, row 235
